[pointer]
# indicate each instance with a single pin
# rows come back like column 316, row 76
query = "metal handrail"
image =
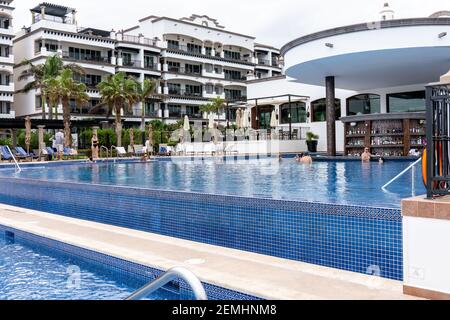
column 172, row 274
column 18, row 168
column 403, row 173
column 107, row 151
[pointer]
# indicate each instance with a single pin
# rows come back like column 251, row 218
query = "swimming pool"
column 334, row 182
column 32, row 272
column 332, row 214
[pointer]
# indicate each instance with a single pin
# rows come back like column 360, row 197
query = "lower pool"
column 32, row 272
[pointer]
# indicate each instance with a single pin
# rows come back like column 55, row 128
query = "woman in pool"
column 366, row 156
column 304, row 158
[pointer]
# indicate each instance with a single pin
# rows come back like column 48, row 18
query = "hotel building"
column 6, row 60
column 194, row 59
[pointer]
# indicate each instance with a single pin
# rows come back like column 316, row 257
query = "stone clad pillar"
column 331, row 115
column 41, row 142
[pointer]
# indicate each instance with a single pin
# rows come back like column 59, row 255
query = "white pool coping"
column 254, row 274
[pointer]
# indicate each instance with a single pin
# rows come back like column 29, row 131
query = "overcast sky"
column 273, row 22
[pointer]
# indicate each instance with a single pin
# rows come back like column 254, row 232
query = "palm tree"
column 214, row 105
column 146, row 90
column 40, row 73
column 119, row 92
column 64, row 88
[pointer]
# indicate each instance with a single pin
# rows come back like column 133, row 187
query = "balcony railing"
column 66, row 55
column 231, row 78
column 183, row 70
column 185, row 93
column 132, row 63
column 136, row 39
column 263, row 62
column 199, row 52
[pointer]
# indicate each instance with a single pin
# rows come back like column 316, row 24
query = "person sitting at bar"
column 366, row 156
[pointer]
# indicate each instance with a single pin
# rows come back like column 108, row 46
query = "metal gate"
column 438, row 140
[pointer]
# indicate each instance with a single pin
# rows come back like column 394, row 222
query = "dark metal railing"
column 438, row 140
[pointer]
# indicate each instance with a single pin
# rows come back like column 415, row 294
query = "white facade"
column 380, row 58
column 286, row 85
column 6, row 60
column 194, row 60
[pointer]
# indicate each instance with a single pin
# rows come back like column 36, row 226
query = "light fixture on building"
column 442, row 34
column 329, row 45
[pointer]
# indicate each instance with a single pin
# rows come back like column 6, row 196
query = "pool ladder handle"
column 18, row 168
column 112, row 148
column 172, row 274
column 411, row 167
column 107, row 151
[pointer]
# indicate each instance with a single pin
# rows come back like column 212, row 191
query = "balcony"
column 198, row 52
column 7, row 114
column 132, row 63
column 231, row 78
column 88, row 59
column 264, row 62
column 185, row 93
column 182, row 70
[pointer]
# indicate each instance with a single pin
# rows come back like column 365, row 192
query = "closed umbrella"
column 246, row 121
column 273, row 120
column 131, row 137
column 239, row 118
column 211, row 117
column 186, row 126
column 150, row 140
column 28, row 132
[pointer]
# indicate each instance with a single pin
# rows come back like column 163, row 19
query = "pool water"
column 31, row 272
column 345, row 182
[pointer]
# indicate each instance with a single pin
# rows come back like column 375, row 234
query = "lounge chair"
column 5, row 154
column 139, row 150
column 22, row 153
column 121, row 152
column 49, row 152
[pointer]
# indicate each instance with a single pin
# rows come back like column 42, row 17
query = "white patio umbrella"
column 186, row 126
column 273, row 120
column 211, row 117
column 245, row 120
column 239, row 118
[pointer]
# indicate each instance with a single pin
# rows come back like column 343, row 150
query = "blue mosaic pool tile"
column 346, row 237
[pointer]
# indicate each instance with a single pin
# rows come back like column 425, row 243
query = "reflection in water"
column 330, row 182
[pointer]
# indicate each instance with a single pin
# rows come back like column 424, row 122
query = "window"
column 219, row 90
column 149, row 62
column 208, row 51
column 231, row 94
column 194, row 48
column 173, row 44
column 5, row 107
column 406, row 102
column 209, row 88
column 173, row 66
column 193, row 91
column 90, row 80
column 193, row 69
column 298, row 112
column 209, row 68
column 149, row 109
column 363, row 104
column 174, row 88
column 319, row 110
column 174, row 111
column 233, row 75
column 232, row 55
column 38, row 103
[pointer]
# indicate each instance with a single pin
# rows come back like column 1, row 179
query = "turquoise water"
column 334, row 182
column 30, row 272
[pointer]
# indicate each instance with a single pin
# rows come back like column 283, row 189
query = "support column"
column 41, row 142
column 331, row 115
column 14, row 137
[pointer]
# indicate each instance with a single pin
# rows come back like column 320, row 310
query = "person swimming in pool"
column 366, row 156
column 304, row 158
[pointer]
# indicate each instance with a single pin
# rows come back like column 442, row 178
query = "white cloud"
column 273, row 22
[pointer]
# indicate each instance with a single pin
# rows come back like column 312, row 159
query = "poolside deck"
column 250, row 273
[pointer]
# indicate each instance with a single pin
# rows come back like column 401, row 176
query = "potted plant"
column 312, row 141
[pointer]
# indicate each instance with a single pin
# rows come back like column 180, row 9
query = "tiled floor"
column 254, row 274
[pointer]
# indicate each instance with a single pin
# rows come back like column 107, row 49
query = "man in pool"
column 59, row 142
column 304, row 158
column 366, row 156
